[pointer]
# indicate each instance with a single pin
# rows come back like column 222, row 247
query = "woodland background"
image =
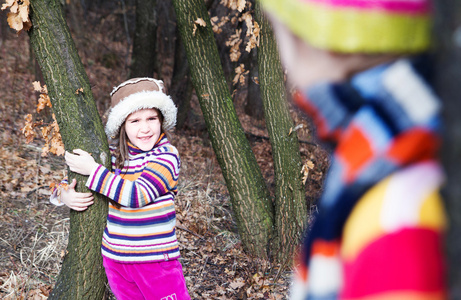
column 33, row 233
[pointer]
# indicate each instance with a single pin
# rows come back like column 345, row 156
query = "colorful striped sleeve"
column 159, row 177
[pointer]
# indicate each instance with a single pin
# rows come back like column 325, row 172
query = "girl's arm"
column 159, row 177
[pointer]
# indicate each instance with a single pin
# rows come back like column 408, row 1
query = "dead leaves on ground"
column 22, row 173
column 9, row 283
column 214, row 271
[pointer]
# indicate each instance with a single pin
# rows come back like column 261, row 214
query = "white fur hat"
column 136, row 94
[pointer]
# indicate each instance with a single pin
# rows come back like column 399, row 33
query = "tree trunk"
column 254, row 105
column 143, row 58
column 181, row 85
column 290, row 202
column 82, row 275
column 73, row 14
column 249, row 196
column 448, row 87
column 166, row 42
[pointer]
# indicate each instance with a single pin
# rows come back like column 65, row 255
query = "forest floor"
column 34, row 233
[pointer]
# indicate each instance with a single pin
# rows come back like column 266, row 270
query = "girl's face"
column 143, row 128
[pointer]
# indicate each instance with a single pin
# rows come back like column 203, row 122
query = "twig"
column 32, row 147
column 282, row 267
column 26, row 287
column 39, row 161
column 204, row 264
column 36, row 189
column 262, row 137
column 179, row 226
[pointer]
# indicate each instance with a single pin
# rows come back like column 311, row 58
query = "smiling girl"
column 139, row 246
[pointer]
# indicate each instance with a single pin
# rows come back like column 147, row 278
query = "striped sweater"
column 380, row 224
column 142, row 227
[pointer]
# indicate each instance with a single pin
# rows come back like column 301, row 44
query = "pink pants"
column 153, row 281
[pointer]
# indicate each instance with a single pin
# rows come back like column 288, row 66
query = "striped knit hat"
column 368, row 26
column 136, row 94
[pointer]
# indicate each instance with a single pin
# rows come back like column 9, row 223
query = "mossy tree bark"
column 250, row 199
column 143, row 58
column 262, row 229
column 290, row 203
column 82, row 275
column 448, row 73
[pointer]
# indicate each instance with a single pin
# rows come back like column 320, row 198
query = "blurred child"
column 139, row 246
column 379, row 230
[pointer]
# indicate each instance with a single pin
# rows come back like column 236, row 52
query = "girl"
column 139, row 246
column 362, row 78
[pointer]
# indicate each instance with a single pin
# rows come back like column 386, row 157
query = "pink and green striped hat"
column 369, row 26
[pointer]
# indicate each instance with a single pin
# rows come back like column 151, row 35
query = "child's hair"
column 121, row 145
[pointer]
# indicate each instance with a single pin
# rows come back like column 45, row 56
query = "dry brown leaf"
column 308, row 165
column 37, row 86
column 235, row 52
column 24, row 10
column 15, row 21
column 234, row 4
column 10, row 3
column 234, row 42
column 28, row 129
column 240, row 74
column 234, row 38
column 252, row 31
column 217, row 23
column 237, row 283
column 43, row 101
column 199, row 22
column 241, row 5
column 18, row 17
column 254, row 37
column 214, row 25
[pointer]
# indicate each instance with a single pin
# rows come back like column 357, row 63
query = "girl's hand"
column 75, row 200
column 81, row 162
